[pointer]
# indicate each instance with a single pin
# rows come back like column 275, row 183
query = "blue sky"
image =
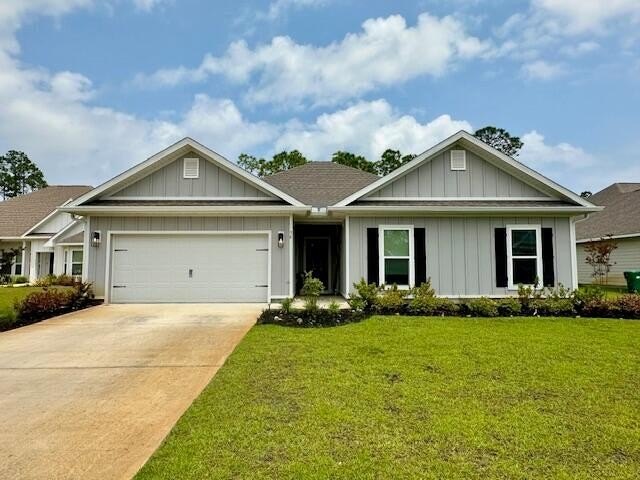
column 89, row 88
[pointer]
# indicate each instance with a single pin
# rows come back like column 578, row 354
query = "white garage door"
column 189, row 268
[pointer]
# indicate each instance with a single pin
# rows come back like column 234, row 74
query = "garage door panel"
column 155, row 268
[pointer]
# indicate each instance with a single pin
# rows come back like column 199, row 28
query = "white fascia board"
column 52, row 241
column 185, row 210
column 45, row 219
column 462, row 135
column 185, row 142
column 608, row 237
column 467, row 209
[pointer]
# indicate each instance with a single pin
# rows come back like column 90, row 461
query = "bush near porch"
column 418, row 397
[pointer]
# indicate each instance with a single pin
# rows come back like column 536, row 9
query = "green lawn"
column 8, row 295
column 396, row 397
column 610, row 291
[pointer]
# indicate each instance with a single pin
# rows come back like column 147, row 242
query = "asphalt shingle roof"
column 321, row 184
column 621, row 215
column 19, row 214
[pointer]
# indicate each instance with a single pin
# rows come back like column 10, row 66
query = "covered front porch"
column 319, row 248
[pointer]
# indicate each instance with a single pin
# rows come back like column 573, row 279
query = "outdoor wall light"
column 280, row 239
column 95, row 239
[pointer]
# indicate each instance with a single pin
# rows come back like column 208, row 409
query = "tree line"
column 389, row 161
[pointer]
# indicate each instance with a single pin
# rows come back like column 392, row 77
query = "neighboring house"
column 620, row 220
column 187, row 225
column 50, row 241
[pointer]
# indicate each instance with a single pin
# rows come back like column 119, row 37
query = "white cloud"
column 541, row 70
column 580, row 49
column 386, row 52
column 366, row 128
column 278, row 8
column 580, row 16
column 538, row 154
column 148, row 5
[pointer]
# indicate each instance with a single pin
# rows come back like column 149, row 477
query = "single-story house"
column 620, row 221
column 187, row 225
column 49, row 241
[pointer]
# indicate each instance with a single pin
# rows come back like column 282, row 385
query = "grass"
column 408, row 397
column 611, row 292
column 8, row 295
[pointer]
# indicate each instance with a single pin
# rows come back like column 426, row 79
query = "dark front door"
column 317, row 255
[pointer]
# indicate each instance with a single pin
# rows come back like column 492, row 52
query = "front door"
column 317, row 255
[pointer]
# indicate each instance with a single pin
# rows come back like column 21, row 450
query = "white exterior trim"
column 291, row 259
column 347, row 279
column 111, row 233
column 538, row 255
column 198, row 147
column 612, row 237
column 196, row 167
column 86, row 246
column 381, row 257
column 187, row 199
column 62, row 231
column 253, row 210
column 463, row 209
column 574, row 253
column 459, row 199
column 44, row 220
column 467, row 137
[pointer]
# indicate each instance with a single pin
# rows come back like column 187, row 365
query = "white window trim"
column 184, row 168
column 15, row 263
column 382, row 258
column 71, row 262
column 510, row 257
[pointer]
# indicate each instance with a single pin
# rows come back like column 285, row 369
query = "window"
column 191, row 168
column 76, row 262
column 396, row 255
column 458, row 160
column 524, row 255
column 17, row 264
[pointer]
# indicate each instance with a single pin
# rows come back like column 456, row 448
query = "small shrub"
column 368, row 292
column 52, row 301
column 509, row 307
column 64, row 281
column 333, row 308
column 553, row 307
column 431, row 306
column 311, row 289
column 20, row 279
column 482, row 307
column 357, row 304
column 8, row 319
column 527, row 295
column 316, row 318
column 287, row 304
column 599, row 308
column 588, row 295
column 628, row 305
column 391, row 300
column 46, row 281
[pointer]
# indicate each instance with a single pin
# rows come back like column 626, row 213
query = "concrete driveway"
column 92, row 394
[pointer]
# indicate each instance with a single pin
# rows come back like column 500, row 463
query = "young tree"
column 280, row 162
column 391, row 160
column 19, row 175
column 6, row 260
column 500, row 139
column 354, row 161
column 599, row 258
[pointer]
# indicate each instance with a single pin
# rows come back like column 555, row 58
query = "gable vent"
column 458, row 160
column 191, row 168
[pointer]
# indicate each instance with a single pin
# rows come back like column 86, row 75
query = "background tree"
column 19, row 175
column 280, row 162
column 586, row 194
column 390, row 160
column 599, row 258
column 354, row 161
column 500, row 139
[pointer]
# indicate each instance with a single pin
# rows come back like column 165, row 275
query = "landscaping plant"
column 311, row 289
column 391, row 300
column 482, row 307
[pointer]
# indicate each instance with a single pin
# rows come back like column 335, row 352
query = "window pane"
column 523, row 242
column 524, row 271
column 18, row 258
column 18, row 269
column 76, row 256
column 396, row 271
column 396, row 243
column 76, row 269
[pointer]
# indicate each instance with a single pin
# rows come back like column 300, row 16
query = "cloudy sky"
column 91, row 87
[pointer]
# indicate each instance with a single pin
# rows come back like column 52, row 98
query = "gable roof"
column 620, row 217
column 468, row 141
column 321, row 184
column 20, row 214
column 142, row 169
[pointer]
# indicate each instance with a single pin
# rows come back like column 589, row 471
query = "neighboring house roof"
column 321, row 184
column 621, row 216
column 488, row 153
column 19, row 214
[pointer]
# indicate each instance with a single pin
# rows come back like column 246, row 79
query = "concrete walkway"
column 92, row 394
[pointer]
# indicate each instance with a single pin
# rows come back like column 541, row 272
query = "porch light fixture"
column 280, row 239
column 95, row 239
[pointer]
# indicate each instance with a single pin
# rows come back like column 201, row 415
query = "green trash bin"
column 633, row 281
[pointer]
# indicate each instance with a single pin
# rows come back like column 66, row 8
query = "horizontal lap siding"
column 460, row 250
column 436, row 179
column 626, row 257
column 97, row 256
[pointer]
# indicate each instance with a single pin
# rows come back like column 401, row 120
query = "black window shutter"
column 548, row 272
column 420, row 255
column 501, row 257
column 372, row 256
